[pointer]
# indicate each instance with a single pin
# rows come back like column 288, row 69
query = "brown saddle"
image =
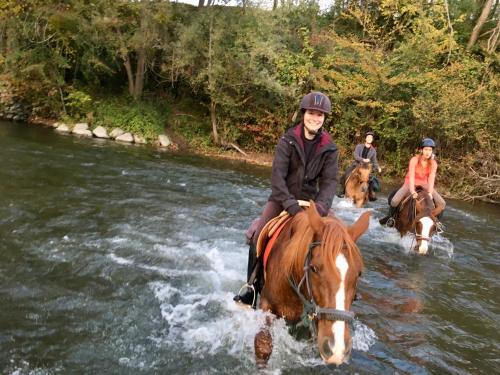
column 271, row 227
column 270, row 232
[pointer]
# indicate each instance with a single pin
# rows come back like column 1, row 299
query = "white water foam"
column 233, row 329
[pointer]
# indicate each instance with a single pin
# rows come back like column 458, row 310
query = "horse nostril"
column 347, row 352
column 326, row 348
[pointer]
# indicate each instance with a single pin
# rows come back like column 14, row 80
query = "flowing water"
column 123, row 260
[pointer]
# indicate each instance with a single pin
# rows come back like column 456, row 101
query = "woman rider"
column 305, row 167
column 421, row 172
column 362, row 153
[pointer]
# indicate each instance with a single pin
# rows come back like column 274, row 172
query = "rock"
column 80, row 126
column 139, row 139
column 101, row 132
column 126, row 137
column 116, row 132
column 164, row 140
column 63, row 128
column 83, row 132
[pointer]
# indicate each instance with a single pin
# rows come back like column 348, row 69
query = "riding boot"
column 389, row 219
column 341, row 194
column 371, row 195
column 254, row 279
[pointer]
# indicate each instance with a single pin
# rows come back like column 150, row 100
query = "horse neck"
column 357, row 175
column 409, row 214
column 333, row 241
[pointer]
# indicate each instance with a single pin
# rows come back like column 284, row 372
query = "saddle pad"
column 265, row 232
column 272, row 240
column 271, row 227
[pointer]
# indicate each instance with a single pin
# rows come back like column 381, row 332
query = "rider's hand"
column 414, row 195
column 366, row 160
column 379, row 170
column 294, row 209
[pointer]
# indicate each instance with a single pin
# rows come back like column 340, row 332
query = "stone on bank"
column 139, row 139
column 63, row 128
column 82, row 128
column 164, row 140
column 116, row 132
column 100, row 132
column 126, row 137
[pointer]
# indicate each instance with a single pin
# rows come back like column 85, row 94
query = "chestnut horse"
column 311, row 276
column 356, row 186
column 419, row 217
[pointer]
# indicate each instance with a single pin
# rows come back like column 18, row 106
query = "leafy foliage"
column 144, row 118
column 398, row 67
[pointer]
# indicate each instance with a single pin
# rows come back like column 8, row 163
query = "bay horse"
column 357, row 185
column 311, row 276
column 419, row 217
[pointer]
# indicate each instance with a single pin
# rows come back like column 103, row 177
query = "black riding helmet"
column 316, row 101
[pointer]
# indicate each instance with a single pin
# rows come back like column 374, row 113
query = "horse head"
column 332, row 267
column 425, row 220
column 363, row 171
column 358, row 183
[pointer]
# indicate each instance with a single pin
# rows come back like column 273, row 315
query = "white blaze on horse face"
column 427, row 223
column 338, row 327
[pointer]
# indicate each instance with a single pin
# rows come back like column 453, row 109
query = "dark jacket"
column 291, row 180
column 372, row 155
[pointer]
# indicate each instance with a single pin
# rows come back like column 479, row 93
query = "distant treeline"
column 406, row 69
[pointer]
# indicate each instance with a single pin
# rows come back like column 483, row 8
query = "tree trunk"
column 213, row 119
column 201, row 3
column 479, row 24
column 275, row 4
column 130, row 75
column 493, row 40
column 139, row 74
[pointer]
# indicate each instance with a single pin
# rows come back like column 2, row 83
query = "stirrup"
column 390, row 223
column 244, row 287
column 439, row 227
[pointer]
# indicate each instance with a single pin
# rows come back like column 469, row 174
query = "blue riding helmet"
column 427, row 142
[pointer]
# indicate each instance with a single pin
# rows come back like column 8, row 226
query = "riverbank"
column 179, row 144
column 187, row 129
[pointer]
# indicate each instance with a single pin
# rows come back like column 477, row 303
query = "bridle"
column 311, row 310
column 413, row 212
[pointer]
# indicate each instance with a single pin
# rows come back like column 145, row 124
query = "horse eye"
column 314, row 269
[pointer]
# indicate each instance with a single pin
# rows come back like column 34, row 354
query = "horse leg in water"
column 263, row 342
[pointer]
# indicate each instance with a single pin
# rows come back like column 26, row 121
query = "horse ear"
column 314, row 217
column 360, row 226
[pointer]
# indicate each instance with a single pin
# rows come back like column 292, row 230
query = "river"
column 119, row 259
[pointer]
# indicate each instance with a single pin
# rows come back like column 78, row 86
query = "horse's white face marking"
column 338, row 327
column 427, row 223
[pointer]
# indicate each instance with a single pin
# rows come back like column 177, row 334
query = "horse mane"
column 423, row 194
column 334, row 240
column 356, row 172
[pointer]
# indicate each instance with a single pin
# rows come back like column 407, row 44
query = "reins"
column 311, row 310
column 412, row 215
